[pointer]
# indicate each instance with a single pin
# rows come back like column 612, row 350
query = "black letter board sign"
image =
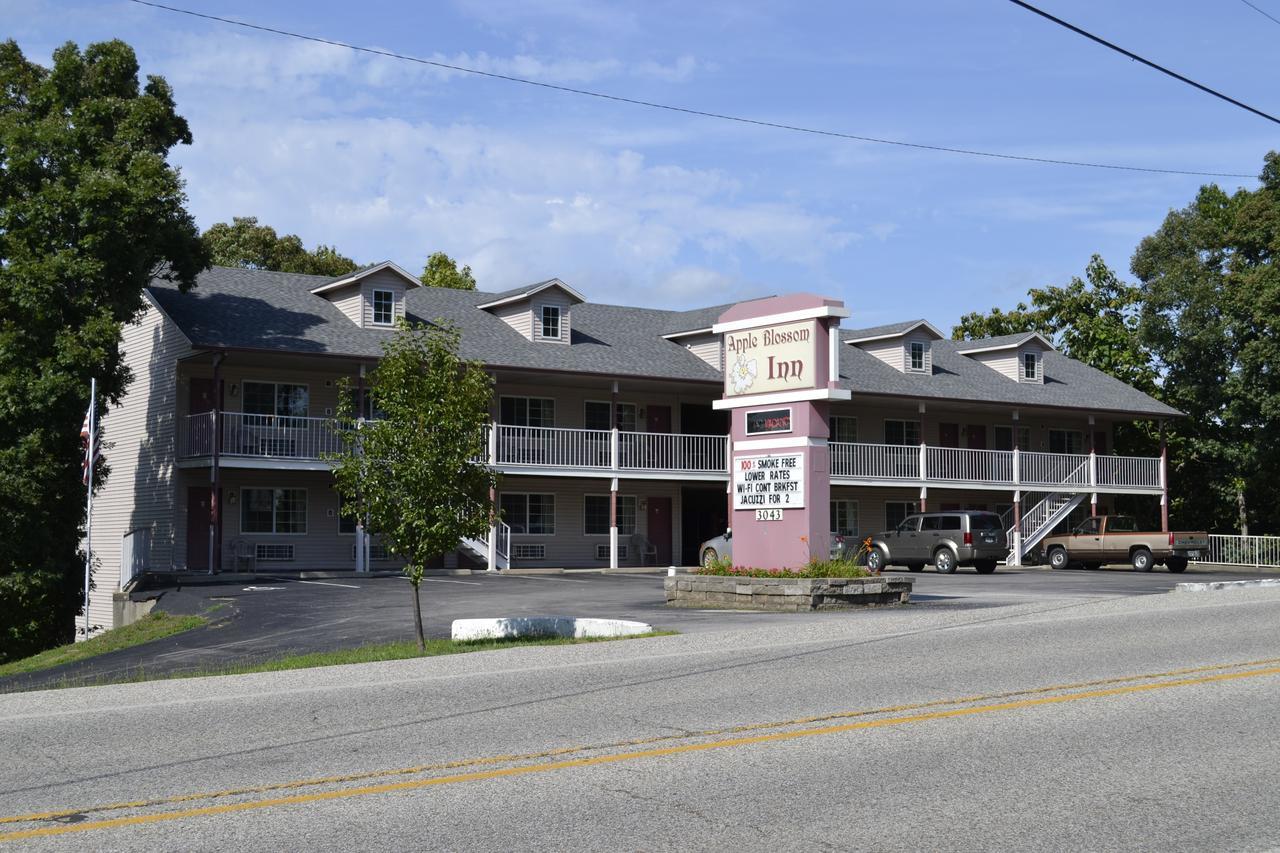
column 772, row 420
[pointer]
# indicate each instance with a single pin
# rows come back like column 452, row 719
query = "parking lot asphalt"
column 275, row 616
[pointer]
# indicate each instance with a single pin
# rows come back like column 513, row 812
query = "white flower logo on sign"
column 742, row 374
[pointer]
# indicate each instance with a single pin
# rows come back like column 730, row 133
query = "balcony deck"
column 283, row 442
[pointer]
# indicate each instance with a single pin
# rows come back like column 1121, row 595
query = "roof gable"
column 1005, row 342
column 528, row 292
column 338, row 282
column 893, row 330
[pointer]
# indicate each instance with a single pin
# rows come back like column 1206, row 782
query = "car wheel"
column 876, row 560
column 709, row 557
column 985, row 567
column 944, row 561
column 1058, row 558
column 1176, row 564
column 915, row 567
column 1140, row 559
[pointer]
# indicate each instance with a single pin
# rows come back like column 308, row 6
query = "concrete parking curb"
column 521, row 627
column 1214, row 586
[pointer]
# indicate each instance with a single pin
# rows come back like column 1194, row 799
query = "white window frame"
column 542, row 323
column 530, row 549
column 635, row 409
column 257, row 552
column 1037, row 368
column 622, row 531
column 924, row 356
column 1076, row 432
column 275, row 397
column 524, row 523
column 373, row 307
column 856, row 516
column 550, row 400
column 913, row 509
column 602, row 551
column 306, row 509
column 851, row 418
column 904, row 421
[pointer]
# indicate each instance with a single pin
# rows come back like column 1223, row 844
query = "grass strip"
column 400, row 650
column 153, row 626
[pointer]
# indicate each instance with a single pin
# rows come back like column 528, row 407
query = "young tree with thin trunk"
column 416, row 472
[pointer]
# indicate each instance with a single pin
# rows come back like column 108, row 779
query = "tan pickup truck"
column 1117, row 539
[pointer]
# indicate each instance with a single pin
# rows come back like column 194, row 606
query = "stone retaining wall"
column 785, row 594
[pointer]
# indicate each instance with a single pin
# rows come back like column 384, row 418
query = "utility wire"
column 684, row 110
column 1260, row 11
column 1175, row 75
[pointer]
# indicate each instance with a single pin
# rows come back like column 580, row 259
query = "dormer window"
column 1030, row 367
column 384, row 307
column 916, row 352
column 551, row 322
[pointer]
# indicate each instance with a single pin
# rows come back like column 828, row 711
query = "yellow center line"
column 572, row 750
column 616, row 758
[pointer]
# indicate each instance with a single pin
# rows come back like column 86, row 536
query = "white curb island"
column 1213, row 586
column 526, row 627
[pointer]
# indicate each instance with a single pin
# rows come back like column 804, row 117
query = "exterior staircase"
column 479, row 548
column 1039, row 521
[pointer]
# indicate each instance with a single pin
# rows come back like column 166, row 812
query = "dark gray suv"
column 966, row 537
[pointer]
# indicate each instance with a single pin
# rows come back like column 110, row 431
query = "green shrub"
column 33, row 613
column 814, row 569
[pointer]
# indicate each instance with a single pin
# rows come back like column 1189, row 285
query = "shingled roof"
column 271, row 311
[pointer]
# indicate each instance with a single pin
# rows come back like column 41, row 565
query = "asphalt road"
column 1076, row 722
column 271, row 617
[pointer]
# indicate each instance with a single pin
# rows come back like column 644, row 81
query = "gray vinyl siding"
column 382, row 280
column 518, row 316
column 570, row 403
column 350, row 301
column 707, row 347
column 1004, row 362
column 139, row 447
column 890, row 352
column 556, row 298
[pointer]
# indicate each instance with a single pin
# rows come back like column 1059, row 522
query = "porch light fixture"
column 235, row 389
column 231, row 499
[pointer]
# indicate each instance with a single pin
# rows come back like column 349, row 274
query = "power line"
column 1260, row 11
column 1175, row 75
column 683, row 110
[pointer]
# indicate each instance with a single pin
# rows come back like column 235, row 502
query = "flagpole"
column 88, row 525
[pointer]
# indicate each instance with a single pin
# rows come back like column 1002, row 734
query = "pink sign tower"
column 781, row 358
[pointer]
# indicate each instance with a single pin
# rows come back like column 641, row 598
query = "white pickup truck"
column 1116, row 538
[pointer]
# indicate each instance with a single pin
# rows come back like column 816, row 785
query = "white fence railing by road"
column 1261, row 551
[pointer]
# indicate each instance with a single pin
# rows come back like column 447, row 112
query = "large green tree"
column 90, row 210
column 416, row 473
column 245, row 243
column 1093, row 320
column 442, row 271
column 1211, row 316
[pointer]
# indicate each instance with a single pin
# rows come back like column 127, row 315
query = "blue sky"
column 386, row 159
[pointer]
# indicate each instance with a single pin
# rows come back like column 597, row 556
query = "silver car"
column 721, row 547
column 946, row 539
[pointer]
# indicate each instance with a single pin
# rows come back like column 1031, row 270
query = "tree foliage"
column 1093, row 320
column 90, row 211
column 416, row 473
column 1211, row 318
column 245, row 243
column 442, row 271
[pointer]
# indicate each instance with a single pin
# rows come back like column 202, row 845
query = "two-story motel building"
column 217, row 450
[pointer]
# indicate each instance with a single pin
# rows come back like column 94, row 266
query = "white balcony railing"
column 569, row 450
column 259, row 436
column 954, row 464
column 957, row 465
column 875, row 461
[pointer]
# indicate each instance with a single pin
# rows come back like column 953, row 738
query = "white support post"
column 924, row 472
column 613, row 519
column 359, row 546
column 492, row 556
column 1017, row 464
column 924, row 498
column 493, row 444
column 1015, row 552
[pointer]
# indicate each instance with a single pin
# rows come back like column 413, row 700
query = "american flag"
column 91, row 456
